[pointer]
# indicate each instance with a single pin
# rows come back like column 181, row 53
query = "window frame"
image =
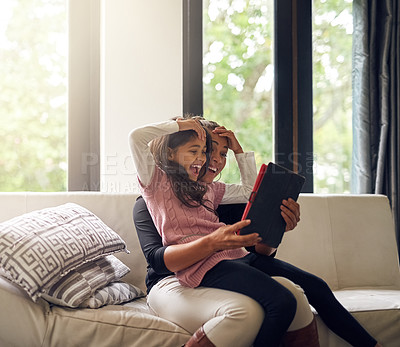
column 83, row 139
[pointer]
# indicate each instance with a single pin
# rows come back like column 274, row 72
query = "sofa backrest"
column 349, row 240
column 114, row 209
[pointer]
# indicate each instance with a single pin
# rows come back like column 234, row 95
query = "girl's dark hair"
column 190, row 193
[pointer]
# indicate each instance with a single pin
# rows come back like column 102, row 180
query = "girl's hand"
column 179, row 257
column 233, row 143
column 290, row 211
column 191, row 124
column 226, row 237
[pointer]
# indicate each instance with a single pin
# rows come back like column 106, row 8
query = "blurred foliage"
column 33, row 96
column 238, row 75
column 332, row 99
column 238, row 81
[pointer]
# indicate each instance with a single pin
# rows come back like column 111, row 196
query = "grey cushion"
column 114, row 293
column 38, row 248
column 82, row 282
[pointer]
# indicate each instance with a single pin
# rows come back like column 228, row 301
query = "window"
column 332, row 95
column 238, row 73
column 33, row 97
column 311, row 102
column 49, row 67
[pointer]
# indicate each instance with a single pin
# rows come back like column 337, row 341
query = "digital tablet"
column 274, row 183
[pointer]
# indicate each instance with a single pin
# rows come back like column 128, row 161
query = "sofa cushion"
column 112, row 325
column 378, row 310
column 348, row 240
column 369, row 299
column 22, row 321
column 38, row 248
column 112, row 294
column 81, row 283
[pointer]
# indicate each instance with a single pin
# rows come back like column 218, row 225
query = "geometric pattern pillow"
column 82, row 282
column 39, row 247
column 113, row 294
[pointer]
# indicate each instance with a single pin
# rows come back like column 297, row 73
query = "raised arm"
column 139, row 140
column 239, row 193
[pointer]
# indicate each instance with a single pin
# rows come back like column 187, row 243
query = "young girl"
column 183, row 211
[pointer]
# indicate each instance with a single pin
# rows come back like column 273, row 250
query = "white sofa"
column 348, row 240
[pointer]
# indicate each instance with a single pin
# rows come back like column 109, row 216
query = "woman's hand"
column 191, row 124
column 226, row 237
column 233, row 142
column 290, row 211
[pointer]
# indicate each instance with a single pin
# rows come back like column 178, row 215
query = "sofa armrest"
column 22, row 322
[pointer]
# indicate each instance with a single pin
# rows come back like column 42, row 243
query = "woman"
column 223, row 274
column 166, row 297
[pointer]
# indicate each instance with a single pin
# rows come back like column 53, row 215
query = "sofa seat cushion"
column 112, row 325
column 130, row 324
column 377, row 310
column 357, row 300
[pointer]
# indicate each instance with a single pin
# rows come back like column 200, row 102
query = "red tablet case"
column 253, row 194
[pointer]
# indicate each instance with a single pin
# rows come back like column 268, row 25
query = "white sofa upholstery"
column 347, row 240
column 350, row 242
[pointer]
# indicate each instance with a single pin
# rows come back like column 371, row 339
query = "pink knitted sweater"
column 177, row 223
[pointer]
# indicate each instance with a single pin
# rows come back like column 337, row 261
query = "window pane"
column 238, row 73
column 33, row 95
column 332, row 95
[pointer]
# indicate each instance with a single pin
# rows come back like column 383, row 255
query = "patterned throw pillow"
column 113, row 294
column 82, row 282
column 39, row 247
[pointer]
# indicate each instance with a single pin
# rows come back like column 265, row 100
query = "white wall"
column 141, row 78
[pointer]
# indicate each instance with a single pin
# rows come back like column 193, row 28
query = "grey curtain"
column 376, row 98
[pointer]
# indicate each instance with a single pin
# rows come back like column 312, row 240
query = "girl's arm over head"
column 139, row 140
column 192, row 124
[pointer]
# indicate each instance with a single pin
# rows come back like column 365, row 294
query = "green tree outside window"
column 33, row 95
column 238, row 80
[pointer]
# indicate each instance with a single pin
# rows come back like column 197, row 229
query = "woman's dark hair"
column 190, row 193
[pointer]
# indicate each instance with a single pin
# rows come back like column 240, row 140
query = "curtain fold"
column 376, row 97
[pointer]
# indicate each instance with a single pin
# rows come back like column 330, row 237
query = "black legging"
column 247, row 276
